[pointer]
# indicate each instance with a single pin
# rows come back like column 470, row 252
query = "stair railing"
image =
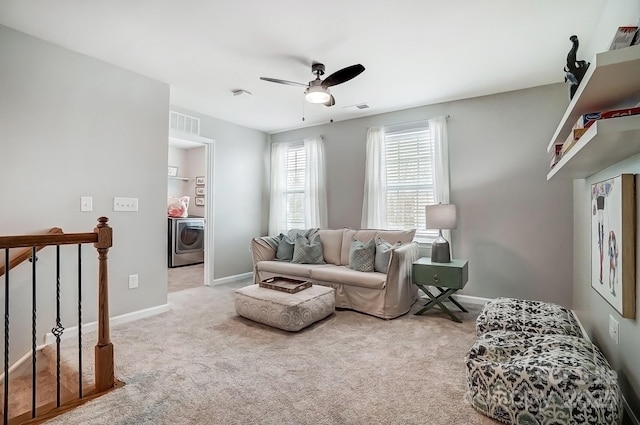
column 105, row 380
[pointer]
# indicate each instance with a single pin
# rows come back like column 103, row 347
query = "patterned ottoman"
column 527, row 316
column 290, row 312
column 532, row 379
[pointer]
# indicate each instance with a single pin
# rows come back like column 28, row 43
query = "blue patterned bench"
column 527, row 316
column 531, row 379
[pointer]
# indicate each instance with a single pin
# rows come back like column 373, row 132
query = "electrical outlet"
column 86, row 203
column 133, row 281
column 614, row 329
column 125, row 204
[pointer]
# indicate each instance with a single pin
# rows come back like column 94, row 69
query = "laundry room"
column 186, row 203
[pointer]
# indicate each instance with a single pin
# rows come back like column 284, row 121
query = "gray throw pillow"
column 307, row 252
column 285, row 248
column 383, row 254
column 362, row 255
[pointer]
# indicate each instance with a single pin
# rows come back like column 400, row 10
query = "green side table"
column 446, row 278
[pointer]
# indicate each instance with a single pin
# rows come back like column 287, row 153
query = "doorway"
column 191, row 159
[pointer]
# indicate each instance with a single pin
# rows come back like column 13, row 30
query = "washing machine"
column 186, row 241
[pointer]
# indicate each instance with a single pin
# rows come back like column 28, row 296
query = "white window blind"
column 295, row 179
column 410, row 156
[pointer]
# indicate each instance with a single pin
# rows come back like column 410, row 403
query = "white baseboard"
column 627, row 408
column 116, row 320
column 471, row 300
column 229, row 279
column 20, row 362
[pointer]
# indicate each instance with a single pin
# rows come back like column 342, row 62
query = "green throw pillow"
column 362, row 255
column 383, row 255
column 285, row 248
column 307, row 252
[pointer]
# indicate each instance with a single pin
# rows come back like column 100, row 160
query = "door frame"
column 209, row 149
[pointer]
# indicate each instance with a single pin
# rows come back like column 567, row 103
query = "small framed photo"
column 200, row 181
column 173, row 171
column 199, row 191
column 200, row 201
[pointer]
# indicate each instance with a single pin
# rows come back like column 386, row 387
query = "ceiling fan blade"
column 345, row 74
column 330, row 102
column 289, row 83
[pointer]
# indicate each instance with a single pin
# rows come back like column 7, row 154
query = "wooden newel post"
column 104, row 374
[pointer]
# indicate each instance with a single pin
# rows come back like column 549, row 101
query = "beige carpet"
column 200, row 363
column 185, row 277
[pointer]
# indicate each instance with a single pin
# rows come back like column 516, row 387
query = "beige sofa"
column 383, row 295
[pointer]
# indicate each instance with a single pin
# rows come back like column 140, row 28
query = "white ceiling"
column 415, row 52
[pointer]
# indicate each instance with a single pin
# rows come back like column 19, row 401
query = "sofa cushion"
column 288, row 269
column 284, row 252
column 347, row 276
column 331, row 245
column 307, row 252
column 348, row 236
column 383, row 254
column 362, row 256
column 393, row 236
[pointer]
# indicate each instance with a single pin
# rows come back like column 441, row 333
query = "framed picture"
column 200, row 191
column 200, row 201
column 173, row 171
column 613, row 242
column 200, row 181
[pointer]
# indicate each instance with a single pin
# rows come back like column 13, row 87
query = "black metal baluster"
column 57, row 331
column 33, row 333
column 6, row 335
column 79, row 320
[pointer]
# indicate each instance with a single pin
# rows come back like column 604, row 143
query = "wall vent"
column 182, row 122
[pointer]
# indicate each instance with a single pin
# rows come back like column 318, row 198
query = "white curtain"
column 438, row 131
column 374, row 206
column 278, row 202
column 315, row 186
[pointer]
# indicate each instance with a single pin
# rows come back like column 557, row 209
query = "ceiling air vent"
column 357, row 106
column 182, row 122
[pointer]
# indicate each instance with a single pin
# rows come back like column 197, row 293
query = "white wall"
column 514, row 227
column 74, row 126
column 240, row 185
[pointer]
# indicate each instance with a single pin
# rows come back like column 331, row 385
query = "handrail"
column 102, row 239
column 24, row 254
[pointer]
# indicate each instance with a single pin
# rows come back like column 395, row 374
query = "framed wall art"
column 613, row 242
column 200, row 191
column 200, row 180
column 173, row 171
column 200, row 201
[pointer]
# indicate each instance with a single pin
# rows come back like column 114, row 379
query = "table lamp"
column 441, row 216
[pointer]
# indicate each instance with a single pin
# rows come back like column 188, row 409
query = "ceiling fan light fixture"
column 317, row 94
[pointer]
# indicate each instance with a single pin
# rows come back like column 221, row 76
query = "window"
column 294, row 190
column 410, row 179
column 298, row 187
column 407, row 168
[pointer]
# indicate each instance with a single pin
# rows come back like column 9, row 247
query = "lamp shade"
column 441, row 216
column 317, row 94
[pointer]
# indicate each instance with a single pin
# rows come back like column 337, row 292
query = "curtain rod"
column 411, row 122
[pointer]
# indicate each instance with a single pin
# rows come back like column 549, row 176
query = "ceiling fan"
column 317, row 91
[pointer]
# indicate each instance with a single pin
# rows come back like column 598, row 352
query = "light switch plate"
column 86, row 203
column 125, row 204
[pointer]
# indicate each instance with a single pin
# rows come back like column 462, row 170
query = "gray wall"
column 241, row 207
column 593, row 311
column 514, row 227
column 71, row 126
